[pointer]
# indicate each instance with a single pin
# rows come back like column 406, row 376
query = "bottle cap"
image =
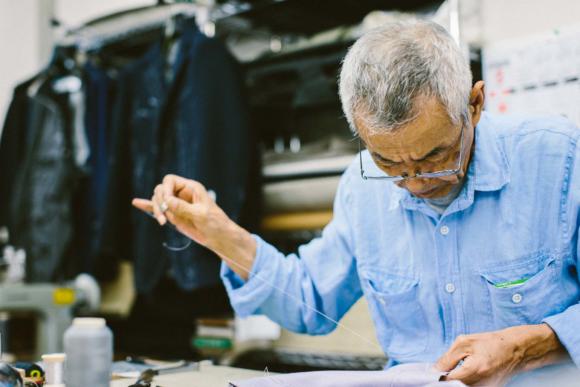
column 89, row 322
column 54, row 357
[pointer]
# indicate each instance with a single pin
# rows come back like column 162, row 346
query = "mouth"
column 426, row 193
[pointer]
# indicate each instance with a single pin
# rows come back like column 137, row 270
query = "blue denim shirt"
column 427, row 277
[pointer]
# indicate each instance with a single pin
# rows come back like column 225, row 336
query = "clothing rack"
column 119, row 26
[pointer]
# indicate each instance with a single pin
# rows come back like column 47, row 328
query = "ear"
column 476, row 101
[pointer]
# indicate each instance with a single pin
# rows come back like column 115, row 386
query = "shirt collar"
column 487, row 171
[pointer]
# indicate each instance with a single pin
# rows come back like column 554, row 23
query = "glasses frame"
column 427, row 175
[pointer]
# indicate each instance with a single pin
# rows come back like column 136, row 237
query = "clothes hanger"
column 120, row 26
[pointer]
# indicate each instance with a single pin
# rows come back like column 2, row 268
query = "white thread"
column 296, row 299
column 273, row 378
column 54, row 368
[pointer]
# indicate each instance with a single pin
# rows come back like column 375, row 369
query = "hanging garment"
column 12, row 149
column 38, row 178
column 190, row 121
column 406, row 375
column 96, row 257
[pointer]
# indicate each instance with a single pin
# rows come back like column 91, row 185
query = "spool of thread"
column 54, row 369
column 88, row 344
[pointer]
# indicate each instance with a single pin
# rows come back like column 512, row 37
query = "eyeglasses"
column 419, row 175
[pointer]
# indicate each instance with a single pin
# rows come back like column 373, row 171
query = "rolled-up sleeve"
column 302, row 292
column 566, row 323
column 246, row 297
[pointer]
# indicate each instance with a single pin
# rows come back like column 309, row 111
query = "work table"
column 206, row 376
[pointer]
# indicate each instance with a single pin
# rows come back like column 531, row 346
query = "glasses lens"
column 446, row 165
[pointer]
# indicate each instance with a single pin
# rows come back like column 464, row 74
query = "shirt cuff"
column 246, row 297
column 565, row 325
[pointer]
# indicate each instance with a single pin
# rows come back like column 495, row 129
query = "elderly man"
column 460, row 228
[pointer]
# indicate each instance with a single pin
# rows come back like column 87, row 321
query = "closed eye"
column 383, row 161
column 433, row 154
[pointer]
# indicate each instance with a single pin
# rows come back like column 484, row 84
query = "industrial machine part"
column 53, row 304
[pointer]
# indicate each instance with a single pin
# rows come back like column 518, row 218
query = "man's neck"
column 441, row 204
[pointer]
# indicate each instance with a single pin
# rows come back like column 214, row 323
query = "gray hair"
column 388, row 67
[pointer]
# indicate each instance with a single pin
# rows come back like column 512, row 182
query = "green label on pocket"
column 510, row 284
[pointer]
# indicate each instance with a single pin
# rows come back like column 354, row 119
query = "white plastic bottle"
column 88, row 344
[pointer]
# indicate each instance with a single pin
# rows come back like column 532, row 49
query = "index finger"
column 143, row 204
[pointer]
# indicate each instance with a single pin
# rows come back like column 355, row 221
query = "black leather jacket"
column 38, row 180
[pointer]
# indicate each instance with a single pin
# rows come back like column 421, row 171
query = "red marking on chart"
column 502, row 107
column 499, row 76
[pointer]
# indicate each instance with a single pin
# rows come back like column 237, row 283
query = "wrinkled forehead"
column 431, row 127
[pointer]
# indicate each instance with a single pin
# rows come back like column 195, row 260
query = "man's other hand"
column 491, row 358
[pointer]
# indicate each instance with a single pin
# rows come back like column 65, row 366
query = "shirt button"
column 444, row 230
column 382, row 301
column 517, row 298
column 449, row 288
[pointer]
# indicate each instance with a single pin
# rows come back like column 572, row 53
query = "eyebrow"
column 431, row 153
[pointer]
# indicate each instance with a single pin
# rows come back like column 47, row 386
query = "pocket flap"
column 389, row 284
column 518, row 272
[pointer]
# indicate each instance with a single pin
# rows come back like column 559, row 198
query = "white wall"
column 24, row 38
column 75, row 12
column 504, row 19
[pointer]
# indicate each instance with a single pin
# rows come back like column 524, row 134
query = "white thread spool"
column 54, row 369
column 88, row 344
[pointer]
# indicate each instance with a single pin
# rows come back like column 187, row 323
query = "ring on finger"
column 163, row 207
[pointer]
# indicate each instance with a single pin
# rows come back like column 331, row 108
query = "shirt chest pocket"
column 399, row 319
column 524, row 291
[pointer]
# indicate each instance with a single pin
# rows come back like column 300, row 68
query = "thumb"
column 449, row 361
column 179, row 207
column 183, row 209
column 466, row 372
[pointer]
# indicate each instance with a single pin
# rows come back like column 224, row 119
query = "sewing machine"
column 53, row 305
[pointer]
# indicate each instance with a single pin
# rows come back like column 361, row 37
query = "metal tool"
column 146, row 377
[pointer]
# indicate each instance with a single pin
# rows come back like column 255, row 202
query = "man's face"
column 429, row 143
